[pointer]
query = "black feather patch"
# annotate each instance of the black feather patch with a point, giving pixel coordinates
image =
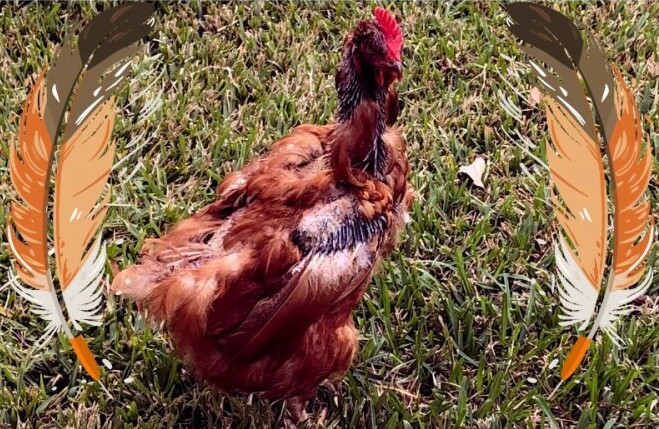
(353, 230)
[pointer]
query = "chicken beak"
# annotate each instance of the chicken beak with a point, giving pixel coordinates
(397, 70)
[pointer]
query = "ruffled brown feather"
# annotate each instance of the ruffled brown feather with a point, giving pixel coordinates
(244, 312)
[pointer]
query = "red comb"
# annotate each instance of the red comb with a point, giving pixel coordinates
(391, 31)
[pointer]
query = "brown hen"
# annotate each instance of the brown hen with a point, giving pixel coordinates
(257, 289)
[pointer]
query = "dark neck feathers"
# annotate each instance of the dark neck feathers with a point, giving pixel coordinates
(354, 89)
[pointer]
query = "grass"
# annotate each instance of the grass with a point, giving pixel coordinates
(460, 327)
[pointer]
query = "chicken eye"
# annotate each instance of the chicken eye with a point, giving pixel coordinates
(372, 49)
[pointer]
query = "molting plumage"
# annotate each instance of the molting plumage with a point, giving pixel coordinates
(257, 289)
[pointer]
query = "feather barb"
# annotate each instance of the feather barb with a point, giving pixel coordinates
(579, 201)
(631, 167)
(30, 160)
(83, 169)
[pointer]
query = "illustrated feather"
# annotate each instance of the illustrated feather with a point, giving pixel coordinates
(576, 161)
(84, 162)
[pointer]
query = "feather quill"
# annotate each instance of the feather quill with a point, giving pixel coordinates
(577, 169)
(84, 163)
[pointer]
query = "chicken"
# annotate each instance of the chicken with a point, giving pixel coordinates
(257, 289)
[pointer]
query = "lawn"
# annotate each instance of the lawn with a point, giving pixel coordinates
(460, 328)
